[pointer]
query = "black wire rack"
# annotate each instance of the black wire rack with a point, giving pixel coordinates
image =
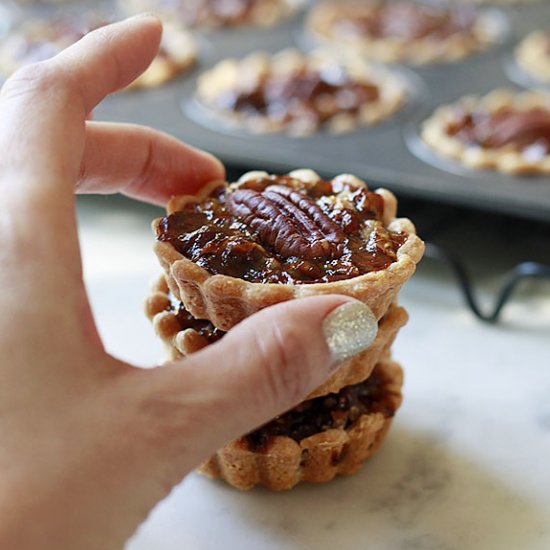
(525, 270)
(521, 272)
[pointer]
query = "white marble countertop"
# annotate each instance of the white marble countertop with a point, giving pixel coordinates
(466, 464)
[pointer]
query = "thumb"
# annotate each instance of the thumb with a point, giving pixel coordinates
(262, 367)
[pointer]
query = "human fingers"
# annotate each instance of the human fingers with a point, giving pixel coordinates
(43, 107)
(262, 367)
(42, 133)
(142, 163)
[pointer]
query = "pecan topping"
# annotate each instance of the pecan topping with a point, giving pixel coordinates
(506, 127)
(289, 222)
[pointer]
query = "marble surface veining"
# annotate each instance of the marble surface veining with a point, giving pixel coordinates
(465, 466)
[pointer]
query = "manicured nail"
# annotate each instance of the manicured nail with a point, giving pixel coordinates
(349, 329)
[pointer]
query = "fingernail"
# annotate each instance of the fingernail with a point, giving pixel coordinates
(349, 329)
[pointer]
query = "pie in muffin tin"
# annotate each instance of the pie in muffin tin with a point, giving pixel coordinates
(37, 38)
(503, 130)
(533, 56)
(211, 14)
(404, 31)
(299, 94)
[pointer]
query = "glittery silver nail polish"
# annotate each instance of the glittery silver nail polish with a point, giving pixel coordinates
(349, 329)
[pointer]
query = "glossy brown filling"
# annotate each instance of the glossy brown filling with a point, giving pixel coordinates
(407, 21)
(520, 129)
(280, 230)
(186, 321)
(309, 95)
(336, 410)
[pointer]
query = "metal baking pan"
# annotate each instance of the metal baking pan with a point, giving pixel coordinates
(389, 154)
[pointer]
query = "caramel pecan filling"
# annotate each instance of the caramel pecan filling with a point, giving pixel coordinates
(406, 21)
(279, 229)
(186, 321)
(316, 95)
(336, 410)
(506, 127)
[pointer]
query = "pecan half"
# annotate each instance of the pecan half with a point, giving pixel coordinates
(289, 222)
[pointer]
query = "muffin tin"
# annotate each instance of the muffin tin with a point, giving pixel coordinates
(390, 154)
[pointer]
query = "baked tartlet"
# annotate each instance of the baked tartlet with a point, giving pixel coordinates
(36, 40)
(232, 250)
(183, 335)
(504, 130)
(299, 93)
(533, 56)
(216, 13)
(317, 440)
(404, 31)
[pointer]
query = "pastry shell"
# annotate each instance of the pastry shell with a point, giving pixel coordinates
(533, 55)
(318, 458)
(482, 34)
(225, 300)
(177, 55)
(231, 75)
(507, 159)
(180, 343)
(264, 13)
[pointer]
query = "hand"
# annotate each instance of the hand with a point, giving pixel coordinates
(89, 444)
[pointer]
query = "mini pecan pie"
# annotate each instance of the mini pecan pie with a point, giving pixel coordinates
(533, 56)
(234, 249)
(182, 335)
(404, 30)
(299, 93)
(37, 40)
(317, 440)
(506, 131)
(216, 13)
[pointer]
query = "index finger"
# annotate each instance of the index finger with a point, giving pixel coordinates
(43, 107)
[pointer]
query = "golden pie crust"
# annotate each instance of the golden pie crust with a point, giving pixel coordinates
(177, 51)
(180, 343)
(533, 56)
(506, 159)
(322, 18)
(318, 458)
(263, 13)
(244, 75)
(225, 300)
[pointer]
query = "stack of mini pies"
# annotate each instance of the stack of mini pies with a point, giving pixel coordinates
(341, 423)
